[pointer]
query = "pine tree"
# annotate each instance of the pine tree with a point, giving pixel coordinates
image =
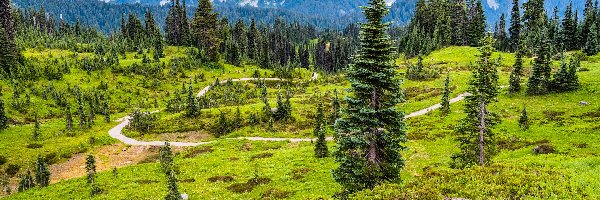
(561, 78)
(515, 26)
(90, 167)
(204, 30)
(8, 58)
(253, 38)
(589, 19)
(592, 45)
(91, 116)
(106, 111)
(446, 96)
(524, 120)
(321, 150)
(42, 174)
(502, 42)
(569, 29)
(166, 158)
(168, 167)
(26, 182)
(7, 22)
(3, 117)
(516, 74)
(476, 25)
(539, 80)
(192, 106)
(477, 141)
(69, 118)
(573, 79)
(371, 132)
(36, 128)
(534, 18)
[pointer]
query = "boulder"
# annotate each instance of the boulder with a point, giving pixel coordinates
(584, 103)
(184, 196)
(543, 149)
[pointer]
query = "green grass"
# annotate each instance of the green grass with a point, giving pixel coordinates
(558, 119)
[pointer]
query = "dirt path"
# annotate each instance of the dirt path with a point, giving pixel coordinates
(117, 131)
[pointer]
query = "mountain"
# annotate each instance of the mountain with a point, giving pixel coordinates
(106, 14)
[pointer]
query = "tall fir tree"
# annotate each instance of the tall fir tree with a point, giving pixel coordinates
(204, 30)
(534, 18)
(474, 132)
(8, 57)
(515, 25)
(253, 41)
(192, 106)
(502, 40)
(589, 13)
(167, 165)
(539, 80)
(569, 29)
(42, 173)
(68, 118)
(7, 22)
(321, 150)
(446, 96)
(592, 45)
(516, 73)
(3, 116)
(371, 133)
(476, 27)
(90, 168)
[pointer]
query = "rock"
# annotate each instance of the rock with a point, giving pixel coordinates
(584, 103)
(543, 149)
(184, 196)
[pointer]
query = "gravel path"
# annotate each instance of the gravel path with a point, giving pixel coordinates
(117, 131)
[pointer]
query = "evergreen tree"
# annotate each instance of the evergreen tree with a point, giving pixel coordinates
(8, 58)
(477, 141)
(321, 150)
(524, 120)
(534, 18)
(516, 73)
(69, 118)
(592, 45)
(573, 79)
(371, 132)
(90, 167)
(476, 26)
(589, 19)
(26, 182)
(168, 167)
(233, 54)
(539, 80)
(42, 174)
(106, 111)
(3, 117)
(204, 30)
(515, 26)
(91, 116)
(446, 96)
(192, 106)
(502, 42)
(569, 29)
(253, 40)
(36, 128)
(177, 27)
(7, 22)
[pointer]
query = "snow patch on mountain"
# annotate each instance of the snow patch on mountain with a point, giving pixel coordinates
(253, 3)
(163, 2)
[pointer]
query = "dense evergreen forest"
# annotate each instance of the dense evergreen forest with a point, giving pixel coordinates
(208, 100)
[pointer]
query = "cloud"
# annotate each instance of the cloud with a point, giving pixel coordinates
(493, 4)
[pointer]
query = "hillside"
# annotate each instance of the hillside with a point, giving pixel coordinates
(219, 169)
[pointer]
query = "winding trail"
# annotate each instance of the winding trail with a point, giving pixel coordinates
(117, 131)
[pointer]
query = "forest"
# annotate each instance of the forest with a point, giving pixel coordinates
(212, 101)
